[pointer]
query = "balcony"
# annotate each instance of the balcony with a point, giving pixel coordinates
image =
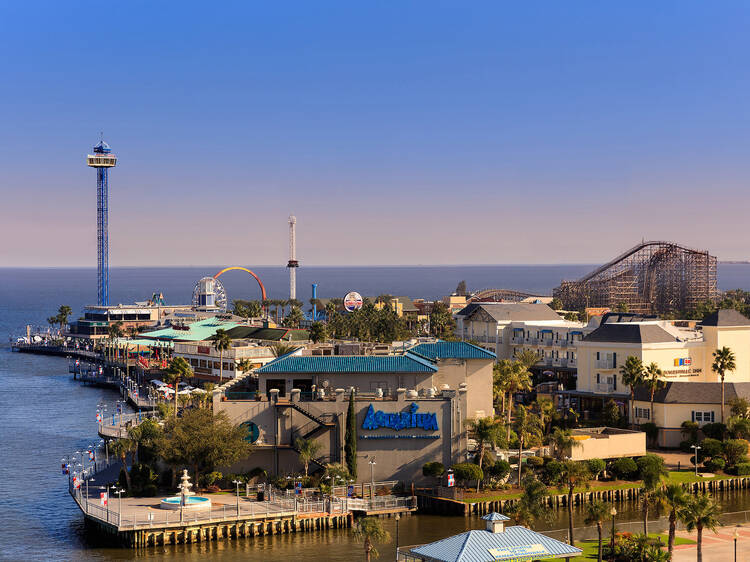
(566, 362)
(548, 342)
(605, 364)
(517, 341)
(563, 343)
(557, 362)
(532, 341)
(604, 388)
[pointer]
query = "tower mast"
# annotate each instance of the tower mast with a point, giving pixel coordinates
(293, 263)
(102, 160)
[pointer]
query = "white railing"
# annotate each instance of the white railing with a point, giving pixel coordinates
(605, 364)
(604, 387)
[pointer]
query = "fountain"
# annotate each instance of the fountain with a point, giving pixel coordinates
(186, 499)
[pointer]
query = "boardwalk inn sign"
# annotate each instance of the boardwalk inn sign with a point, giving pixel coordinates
(398, 421)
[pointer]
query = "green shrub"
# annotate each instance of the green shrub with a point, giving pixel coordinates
(552, 471)
(466, 471)
(714, 430)
(742, 469)
(652, 432)
(500, 469)
(513, 459)
(596, 467)
(710, 448)
(734, 451)
(625, 469)
(534, 462)
(433, 469)
(685, 446)
(714, 464)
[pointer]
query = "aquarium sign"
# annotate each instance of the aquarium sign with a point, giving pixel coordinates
(521, 552)
(400, 420)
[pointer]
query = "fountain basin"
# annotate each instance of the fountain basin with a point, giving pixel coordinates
(191, 503)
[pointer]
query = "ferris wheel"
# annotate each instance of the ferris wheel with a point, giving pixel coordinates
(209, 293)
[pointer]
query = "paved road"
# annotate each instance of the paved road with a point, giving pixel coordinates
(716, 547)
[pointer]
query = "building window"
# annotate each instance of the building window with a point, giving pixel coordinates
(703, 417)
(643, 413)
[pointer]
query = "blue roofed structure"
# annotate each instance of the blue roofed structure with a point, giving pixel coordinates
(295, 364)
(493, 543)
(451, 350)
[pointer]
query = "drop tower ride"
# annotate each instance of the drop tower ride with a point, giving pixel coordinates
(102, 160)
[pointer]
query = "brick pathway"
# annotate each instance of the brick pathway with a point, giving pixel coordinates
(717, 547)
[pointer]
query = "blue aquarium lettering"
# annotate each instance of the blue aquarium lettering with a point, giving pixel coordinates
(400, 420)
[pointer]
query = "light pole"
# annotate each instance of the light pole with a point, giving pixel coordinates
(398, 517)
(695, 457)
(736, 536)
(613, 512)
(372, 477)
(237, 483)
(119, 492)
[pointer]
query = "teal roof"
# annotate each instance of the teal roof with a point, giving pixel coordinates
(197, 331)
(514, 543)
(452, 350)
(406, 363)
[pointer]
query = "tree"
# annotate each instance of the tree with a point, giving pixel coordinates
(203, 441)
(621, 307)
(689, 430)
(467, 471)
(369, 530)
(545, 409)
(700, 512)
(248, 309)
(531, 506)
(63, 313)
(442, 324)
(572, 474)
(563, 443)
(294, 317)
(650, 470)
(318, 332)
(632, 375)
(487, 432)
(611, 414)
(596, 513)
(177, 370)
(556, 304)
(528, 358)
(652, 376)
(120, 450)
(433, 469)
(671, 498)
(740, 407)
(527, 426)
(244, 365)
(331, 309)
(307, 449)
(350, 438)
(512, 377)
(724, 361)
(222, 343)
(280, 349)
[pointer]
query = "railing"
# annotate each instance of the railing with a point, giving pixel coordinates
(605, 364)
(606, 388)
(241, 395)
(517, 341)
(548, 342)
(379, 503)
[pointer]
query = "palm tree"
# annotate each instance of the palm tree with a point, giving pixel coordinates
(596, 513)
(222, 343)
(632, 375)
(178, 369)
(280, 348)
(573, 474)
(527, 426)
(62, 315)
(501, 374)
(120, 450)
(527, 358)
(531, 505)
(546, 411)
(369, 530)
(723, 362)
(307, 449)
(563, 441)
(516, 378)
(487, 432)
(700, 512)
(652, 376)
(672, 497)
(244, 365)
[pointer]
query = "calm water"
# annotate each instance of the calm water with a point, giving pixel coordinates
(44, 415)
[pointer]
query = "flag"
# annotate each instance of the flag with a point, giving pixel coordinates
(92, 456)
(103, 498)
(98, 417)
(76, 482)
(65, 469)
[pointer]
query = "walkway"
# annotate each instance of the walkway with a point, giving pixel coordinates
(716, 547)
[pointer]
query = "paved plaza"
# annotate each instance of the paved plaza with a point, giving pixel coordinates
(717, 547)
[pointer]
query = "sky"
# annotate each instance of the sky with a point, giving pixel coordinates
(397, 132)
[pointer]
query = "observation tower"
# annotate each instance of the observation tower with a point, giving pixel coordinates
(102, 160)
(293, 263)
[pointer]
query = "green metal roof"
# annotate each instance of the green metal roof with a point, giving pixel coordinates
(452, 350)
(197, 331)
(406, 363)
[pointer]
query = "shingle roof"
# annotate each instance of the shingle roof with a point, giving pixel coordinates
(726, 317)
(407, 363)
(630, 333)
(475, 546)
(694, 392)
(509, 311)
(452, 350)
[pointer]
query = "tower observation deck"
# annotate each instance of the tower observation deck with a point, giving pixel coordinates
(102, 160)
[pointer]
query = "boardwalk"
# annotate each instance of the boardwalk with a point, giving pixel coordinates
(717, 547)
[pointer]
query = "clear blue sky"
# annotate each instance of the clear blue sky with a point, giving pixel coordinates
(397, 132)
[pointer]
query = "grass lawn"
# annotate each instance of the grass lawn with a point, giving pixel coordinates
(591, 547)
(674, 477)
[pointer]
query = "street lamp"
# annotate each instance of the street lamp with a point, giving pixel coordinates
(119, 492)
(237, 482)
(372, 464)
(695, 457)
(613, 512)
(736, 536)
